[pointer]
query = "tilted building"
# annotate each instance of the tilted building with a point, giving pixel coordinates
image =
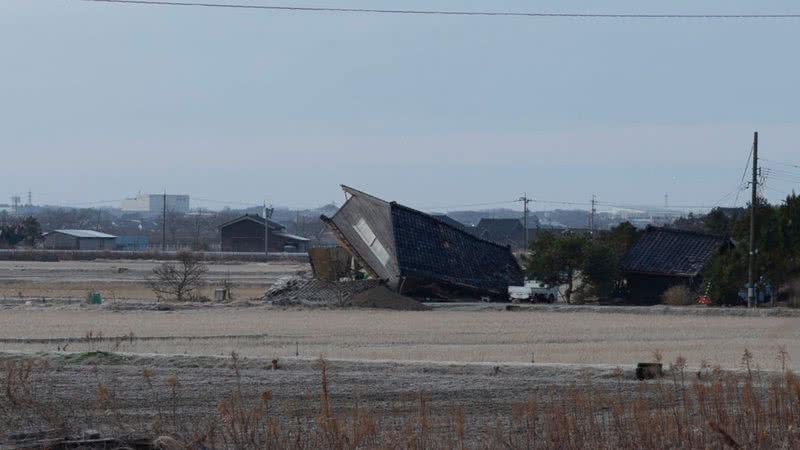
(418, 254)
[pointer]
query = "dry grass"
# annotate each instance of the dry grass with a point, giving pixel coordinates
(712, 409)
(124, 279)
(492, 336)
(678, 296)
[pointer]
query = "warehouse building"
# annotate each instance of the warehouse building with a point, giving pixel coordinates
(78, 240)
(246, 234)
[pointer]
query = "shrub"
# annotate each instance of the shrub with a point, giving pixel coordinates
(677, 296)
(179, 282)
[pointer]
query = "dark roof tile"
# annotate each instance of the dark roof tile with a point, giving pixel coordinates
(434, 249)
(671, 252)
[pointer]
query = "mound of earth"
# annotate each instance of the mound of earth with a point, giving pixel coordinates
(382, 297)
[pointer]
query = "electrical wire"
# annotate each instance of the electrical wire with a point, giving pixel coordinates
(744, 174)
(454, 12)
(470, 205)
(796, 166)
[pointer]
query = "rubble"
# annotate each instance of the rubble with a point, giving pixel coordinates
(301, 291)
(312, 292)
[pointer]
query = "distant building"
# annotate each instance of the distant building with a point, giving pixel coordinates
(175, 203)
(78, 240)
(140, 203)
(154, 203)
(132, 243)
(508, 232)
(246, 234)
(450, 221)
(666, 257)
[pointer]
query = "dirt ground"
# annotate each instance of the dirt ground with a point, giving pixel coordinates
(481, 357)
(439, 335)
(123, 280)
(484, 391)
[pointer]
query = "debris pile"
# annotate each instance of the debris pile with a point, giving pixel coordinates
(381, 297)
(297, 291)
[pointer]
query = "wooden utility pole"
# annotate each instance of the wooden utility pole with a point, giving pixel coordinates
(752, 300)
(525, 200)
(266, 232)
(164, 222)
(591, 216)
(267, 215)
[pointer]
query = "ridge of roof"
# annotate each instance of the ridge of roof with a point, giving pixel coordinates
(354, 192)
(83, 233)
(470, 235)
(253, 217)
(682, 231)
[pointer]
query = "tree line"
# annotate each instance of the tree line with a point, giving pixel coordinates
(589, 266)
(26, 232)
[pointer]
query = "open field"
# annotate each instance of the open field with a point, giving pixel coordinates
(461, 336)
(125, 279)
(124, 367)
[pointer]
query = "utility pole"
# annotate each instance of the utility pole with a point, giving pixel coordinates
(30, 197)
(666, 200)
(267, 215)
(525, 200)
(164, 222)
(591, 216)
(752, 301)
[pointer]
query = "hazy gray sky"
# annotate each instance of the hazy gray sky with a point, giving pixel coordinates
(99, 101)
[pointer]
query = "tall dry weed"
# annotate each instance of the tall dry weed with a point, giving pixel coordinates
(689, 410)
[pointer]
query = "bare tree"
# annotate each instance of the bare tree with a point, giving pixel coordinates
(179, 281)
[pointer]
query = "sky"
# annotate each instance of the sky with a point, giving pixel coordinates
(100, 101)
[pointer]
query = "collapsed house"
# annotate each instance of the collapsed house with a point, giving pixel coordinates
(417, 254)
(666, 257)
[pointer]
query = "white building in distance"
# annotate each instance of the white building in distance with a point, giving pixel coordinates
(154, 203)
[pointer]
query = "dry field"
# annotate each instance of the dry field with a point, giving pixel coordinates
(124, 367)
(459, 336)
(124, 280)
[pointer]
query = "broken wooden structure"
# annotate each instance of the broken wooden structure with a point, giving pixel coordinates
(419, 255)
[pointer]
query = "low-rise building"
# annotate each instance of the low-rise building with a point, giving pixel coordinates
(667, 257)
(246, 234)
(78, 240)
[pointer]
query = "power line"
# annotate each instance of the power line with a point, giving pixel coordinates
(744, 174)
(470, 205)
(455, 12)
(226, 202)
(796, 166)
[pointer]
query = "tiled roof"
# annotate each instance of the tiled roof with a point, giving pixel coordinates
(450, 221)
(502, 231)
(671, 252)
(500, 227)
(430, 248)
(416, 252)
(255, 218)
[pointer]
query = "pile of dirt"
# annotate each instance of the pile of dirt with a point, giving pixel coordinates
(381, 297)
(298, 291)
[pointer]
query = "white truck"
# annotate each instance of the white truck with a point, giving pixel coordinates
(533, 292)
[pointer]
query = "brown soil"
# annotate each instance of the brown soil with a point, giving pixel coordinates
(382, 297)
